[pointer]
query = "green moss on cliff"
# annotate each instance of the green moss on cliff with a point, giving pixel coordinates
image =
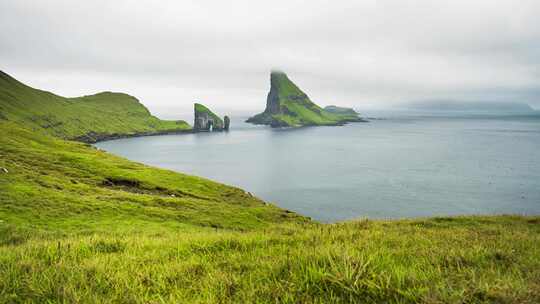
(288, 106)
(203, 110)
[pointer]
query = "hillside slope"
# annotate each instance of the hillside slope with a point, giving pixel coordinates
(89, 118)
(288, 106)
(51, 182)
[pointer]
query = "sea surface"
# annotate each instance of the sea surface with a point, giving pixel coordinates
(401, 165)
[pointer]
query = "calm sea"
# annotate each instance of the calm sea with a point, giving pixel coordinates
(399, 166)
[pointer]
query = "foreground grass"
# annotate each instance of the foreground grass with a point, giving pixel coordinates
(440, 260)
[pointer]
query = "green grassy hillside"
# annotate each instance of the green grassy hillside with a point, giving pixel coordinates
(88, 118)
(288, 106)
(53, 183)
(79, 225)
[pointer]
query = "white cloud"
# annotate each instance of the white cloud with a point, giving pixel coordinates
(171, 53)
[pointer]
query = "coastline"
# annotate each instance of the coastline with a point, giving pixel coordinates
(92, 138)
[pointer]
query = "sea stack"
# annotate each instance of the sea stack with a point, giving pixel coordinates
(227, 122)
(206, 120)
(288, 106)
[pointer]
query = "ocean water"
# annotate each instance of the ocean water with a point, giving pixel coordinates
(401, 166)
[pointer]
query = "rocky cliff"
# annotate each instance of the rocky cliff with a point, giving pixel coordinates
(288, 106)
(207, 121)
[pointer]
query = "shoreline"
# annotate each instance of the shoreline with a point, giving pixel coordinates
(93, 138)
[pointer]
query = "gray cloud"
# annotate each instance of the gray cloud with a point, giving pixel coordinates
(358, 53)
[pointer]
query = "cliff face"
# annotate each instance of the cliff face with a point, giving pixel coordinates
(227, 122)
(288, 106)
(206, 120)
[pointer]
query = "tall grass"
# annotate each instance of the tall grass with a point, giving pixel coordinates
(458, 260)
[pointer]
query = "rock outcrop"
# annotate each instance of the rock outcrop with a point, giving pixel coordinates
(340, 110)
(227, 122)
(207, 121)
(348, 114)
(288, 106)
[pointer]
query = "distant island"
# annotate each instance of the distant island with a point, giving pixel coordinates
(207, 121)
(497, 107)
(288, 106)
(341, 110)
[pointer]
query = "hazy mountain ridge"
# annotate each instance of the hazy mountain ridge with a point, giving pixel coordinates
(470, 106)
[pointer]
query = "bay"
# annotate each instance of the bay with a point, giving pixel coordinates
(403, 165)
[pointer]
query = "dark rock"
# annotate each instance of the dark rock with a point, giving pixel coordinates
(227, 122)
(206, 120)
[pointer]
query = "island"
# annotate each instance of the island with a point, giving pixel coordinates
(207, 121)
(346, 112)
(288, 106)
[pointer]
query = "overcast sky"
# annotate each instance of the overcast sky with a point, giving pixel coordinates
(366, 54)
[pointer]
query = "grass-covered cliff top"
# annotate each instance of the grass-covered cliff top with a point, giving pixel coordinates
(87, 118)
(200, 108)
(288, 106)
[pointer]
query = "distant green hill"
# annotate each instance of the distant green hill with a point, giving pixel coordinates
(350, 112)
(89, 118)
(288, 106)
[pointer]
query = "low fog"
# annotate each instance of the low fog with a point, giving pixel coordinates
(364, 54)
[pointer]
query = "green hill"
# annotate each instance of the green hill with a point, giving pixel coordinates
(79, 225)
(288, 106)
(50, 180)
(89, 118)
